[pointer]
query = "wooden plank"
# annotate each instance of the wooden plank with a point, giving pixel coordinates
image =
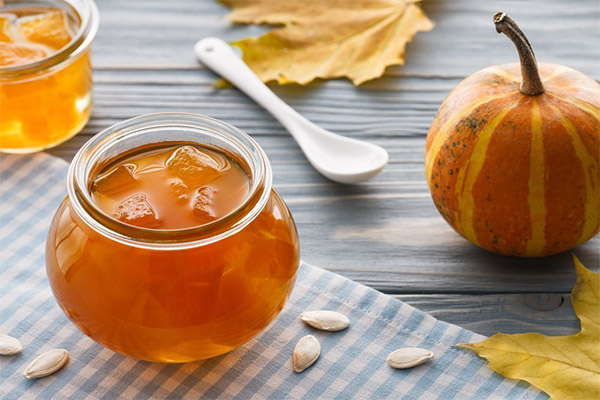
(507, 313)
(157, 32)
(406, 109)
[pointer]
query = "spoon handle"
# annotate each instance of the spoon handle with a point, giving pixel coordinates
(218, 56)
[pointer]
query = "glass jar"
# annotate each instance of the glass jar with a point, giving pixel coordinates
(172, 295)
(46, 102)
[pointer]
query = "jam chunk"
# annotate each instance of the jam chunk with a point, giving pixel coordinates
(28, 38)
(202, 204)
(13, 54)
(7, 27)
(118, 179)
(180, 190)
(49, 28)
(195, 167)
(137, 211)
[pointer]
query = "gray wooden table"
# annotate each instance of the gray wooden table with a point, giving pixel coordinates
(385, 233)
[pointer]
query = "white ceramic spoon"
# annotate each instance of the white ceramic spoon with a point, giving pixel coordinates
(339, 158)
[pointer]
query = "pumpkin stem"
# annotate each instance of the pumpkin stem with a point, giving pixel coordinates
(531, 84)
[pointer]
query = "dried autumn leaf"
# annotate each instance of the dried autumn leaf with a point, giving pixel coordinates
(565, 367)
(357, 39)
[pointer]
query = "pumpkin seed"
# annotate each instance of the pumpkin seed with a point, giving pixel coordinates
(9, 345)
(46, 364)
(306, 353)
(408, 357)
(325, 320)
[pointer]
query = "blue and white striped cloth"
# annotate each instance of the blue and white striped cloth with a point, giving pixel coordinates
(352, 363)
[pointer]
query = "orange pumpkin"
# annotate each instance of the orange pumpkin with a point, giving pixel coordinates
(514, 167)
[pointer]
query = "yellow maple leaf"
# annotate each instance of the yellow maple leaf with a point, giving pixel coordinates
(565, 367)
(326, 39)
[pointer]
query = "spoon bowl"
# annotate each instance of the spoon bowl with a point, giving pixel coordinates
(339, 158)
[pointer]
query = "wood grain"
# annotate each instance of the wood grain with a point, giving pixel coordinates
(385, 233)
(162, 33)
(488, 314)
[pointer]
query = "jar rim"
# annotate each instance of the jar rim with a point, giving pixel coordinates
(90, 20)
(86, 161)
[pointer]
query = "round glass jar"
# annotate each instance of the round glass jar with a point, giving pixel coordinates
(48, 101)
(172, 295)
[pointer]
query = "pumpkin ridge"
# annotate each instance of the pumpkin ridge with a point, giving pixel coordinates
(442, 134)
(585, 123)
(499, 78)
(588, 165)
(501, 214)
(502, 73)
(581, 104)
(536, 197)
(468, 176)
(558, 71)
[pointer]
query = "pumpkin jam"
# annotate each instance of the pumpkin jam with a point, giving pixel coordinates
(180, 304)
(40, 109)
(171, 188)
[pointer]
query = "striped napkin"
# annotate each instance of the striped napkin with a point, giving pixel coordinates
(352, 363)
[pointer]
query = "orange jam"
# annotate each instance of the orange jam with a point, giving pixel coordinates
(172, 187)
(172, 251)
(45, 75)
(30, 34)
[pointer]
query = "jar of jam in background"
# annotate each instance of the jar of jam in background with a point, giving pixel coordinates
(172, 295)
(45, 71)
